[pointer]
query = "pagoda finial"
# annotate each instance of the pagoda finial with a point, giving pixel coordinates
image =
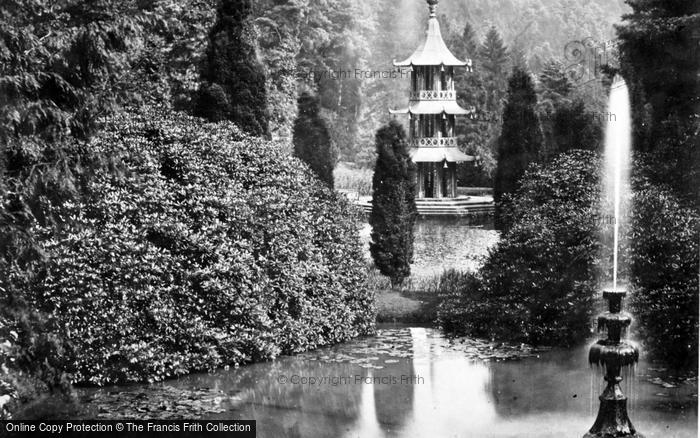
(432, 5)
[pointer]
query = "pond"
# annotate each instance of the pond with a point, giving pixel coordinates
(412, 382)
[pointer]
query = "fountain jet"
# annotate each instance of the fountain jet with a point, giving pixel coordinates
(612, 353)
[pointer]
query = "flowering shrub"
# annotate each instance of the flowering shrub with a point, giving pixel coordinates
(208, 248)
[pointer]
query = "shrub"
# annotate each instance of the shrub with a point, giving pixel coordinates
(664, 264)
(211, 248)
(458, 302)
(537, 284)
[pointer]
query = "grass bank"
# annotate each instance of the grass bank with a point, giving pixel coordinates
(415, 301)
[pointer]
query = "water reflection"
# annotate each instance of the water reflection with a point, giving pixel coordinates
(437, 391)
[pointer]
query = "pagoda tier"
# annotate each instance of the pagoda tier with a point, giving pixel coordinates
(432, 109)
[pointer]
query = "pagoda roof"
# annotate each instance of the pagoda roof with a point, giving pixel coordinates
(435, 155)
(433, 50)
(433, 107)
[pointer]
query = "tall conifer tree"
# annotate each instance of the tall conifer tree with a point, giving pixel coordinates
(520, 139)
(472, 135)
(233, 85)
(312, 143)
(493, 53)
(393, 204)
(493, 65)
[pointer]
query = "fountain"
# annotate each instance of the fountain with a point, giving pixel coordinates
(614, 354)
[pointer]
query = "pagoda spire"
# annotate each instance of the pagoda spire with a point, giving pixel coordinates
(433, 51)
(432, 6)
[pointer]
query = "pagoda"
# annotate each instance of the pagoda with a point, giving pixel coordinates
(432, 109)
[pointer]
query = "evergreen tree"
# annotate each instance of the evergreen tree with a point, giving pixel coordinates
(493, 61)
(233, 85)
(472, 135)
(554, 88)
(278, 23)
(493, 53)
(553, 80)
(464, 46)
(393, 204)
(312, 143)
(520, 139)
(574, 127)
(658, 52)
(467, 83)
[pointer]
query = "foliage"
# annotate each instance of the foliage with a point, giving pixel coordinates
(537, 284)
(493, 65)
(334, 35)
(659, 51)
(459, 295)
(575, 127)
(300, 42)
(172, 50)
(278, 24)
(554, 81)
(234, 85)
(553, 89)
(214, 249)
(664, 267)
(520, 139)
(473, 135)
(393, 205)
(333, 39)
(61, 68)
(493, 54)
(312, 143)
(352, 178)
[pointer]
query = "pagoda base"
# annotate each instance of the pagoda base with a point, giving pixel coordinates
(455, 207)
(458, 206)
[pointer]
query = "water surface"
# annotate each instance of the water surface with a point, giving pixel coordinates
(412, 382)
(442, 243)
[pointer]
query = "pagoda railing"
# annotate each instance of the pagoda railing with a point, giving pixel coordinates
(434, 142)
(433, 95)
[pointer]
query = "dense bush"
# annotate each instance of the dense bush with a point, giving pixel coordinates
(664, 266)
(537, 284)
(213, 248)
